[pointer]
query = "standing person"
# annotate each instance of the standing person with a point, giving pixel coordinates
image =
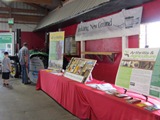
(23, 59)
(6, 68)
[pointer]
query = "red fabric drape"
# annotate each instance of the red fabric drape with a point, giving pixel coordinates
(86, 102)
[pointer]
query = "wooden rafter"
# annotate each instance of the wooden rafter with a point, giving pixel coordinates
(20, 18)
(21, 15)
(39, 8)
(47, 2)
(20, 22)
(4, 3)
(19, 10)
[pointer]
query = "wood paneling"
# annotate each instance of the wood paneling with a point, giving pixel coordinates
(33, 1)
(19, 10)
(22, 18)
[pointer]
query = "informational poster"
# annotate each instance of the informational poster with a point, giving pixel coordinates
(35, 65)
(124, 23)
(6, 43)
(79, 69)
(56, 50)
(139, 71)
(70, 46)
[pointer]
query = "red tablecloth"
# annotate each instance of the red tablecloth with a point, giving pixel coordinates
(86, 102)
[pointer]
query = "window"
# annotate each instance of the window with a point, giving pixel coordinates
(150, 35)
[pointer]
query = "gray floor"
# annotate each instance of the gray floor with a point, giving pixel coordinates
(23, 102)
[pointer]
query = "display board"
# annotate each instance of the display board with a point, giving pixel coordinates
(139, 71)
(79, 69)
(56, 50)
(6, 43)
(70, 46)
(35, 66)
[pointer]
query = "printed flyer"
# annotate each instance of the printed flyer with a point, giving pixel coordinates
(139, 71)
(56, 49)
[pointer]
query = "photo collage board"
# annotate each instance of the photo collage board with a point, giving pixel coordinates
(79, 69)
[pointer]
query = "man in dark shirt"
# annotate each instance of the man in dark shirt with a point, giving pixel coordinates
(23, 59)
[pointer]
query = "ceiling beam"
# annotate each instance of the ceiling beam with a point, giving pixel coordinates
(19, 10)
(46, 2)
(39, 8)
(4, 3)
(30, 18)
(20, 22)
(22, 18)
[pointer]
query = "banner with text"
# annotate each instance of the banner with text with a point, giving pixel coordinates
(124, 23)
(56, 49)
(6, 44)
(139, 71)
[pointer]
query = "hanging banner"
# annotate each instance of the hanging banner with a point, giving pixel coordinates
(139, 71)
(56, 49)
(6, 44)
(124, 23)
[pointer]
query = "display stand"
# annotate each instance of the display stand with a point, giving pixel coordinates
(139, 66)
(125, 90)
(146, 97)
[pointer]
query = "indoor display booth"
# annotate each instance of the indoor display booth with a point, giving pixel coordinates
(135, 94)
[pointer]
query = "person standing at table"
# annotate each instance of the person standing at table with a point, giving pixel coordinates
(6, 68)
(23, 60)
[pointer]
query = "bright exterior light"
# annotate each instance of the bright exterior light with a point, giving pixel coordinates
(150, 35)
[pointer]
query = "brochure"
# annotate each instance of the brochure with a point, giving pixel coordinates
(128, 98)
(152, 108)
(141, 104)
(133, 101)
(121, 95)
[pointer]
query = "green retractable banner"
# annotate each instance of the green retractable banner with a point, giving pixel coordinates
(6, 43)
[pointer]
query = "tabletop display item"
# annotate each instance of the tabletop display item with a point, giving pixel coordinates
(79, 69)
(139, 71)
(152, 108)
(133, 101)
(121, 95)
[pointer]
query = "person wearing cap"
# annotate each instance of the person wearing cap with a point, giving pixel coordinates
(6, 68)
(23, 60)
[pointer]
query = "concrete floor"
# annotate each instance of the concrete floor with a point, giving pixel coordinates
(23, 102)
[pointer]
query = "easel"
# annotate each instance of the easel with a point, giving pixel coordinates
(146, 97)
